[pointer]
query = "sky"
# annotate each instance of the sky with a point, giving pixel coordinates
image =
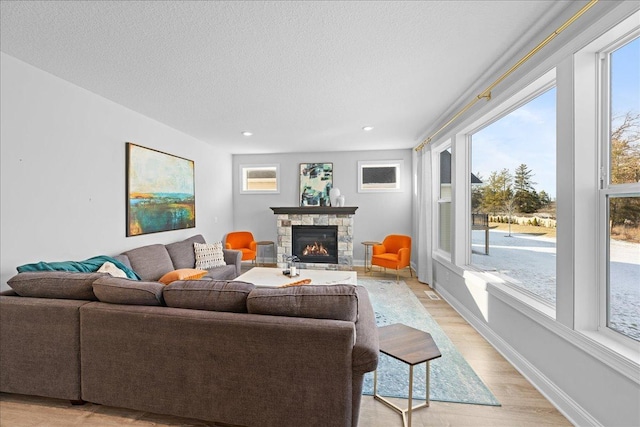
(528, 134)
(625, 79)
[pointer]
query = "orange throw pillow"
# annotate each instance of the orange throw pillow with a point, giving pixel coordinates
(182, 274)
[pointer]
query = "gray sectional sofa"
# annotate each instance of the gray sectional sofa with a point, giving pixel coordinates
(216, 350)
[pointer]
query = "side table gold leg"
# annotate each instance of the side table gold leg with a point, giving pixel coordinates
(428, 382)
(375, 382)
(410, 409)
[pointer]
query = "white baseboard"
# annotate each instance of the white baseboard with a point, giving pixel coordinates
(575, 413)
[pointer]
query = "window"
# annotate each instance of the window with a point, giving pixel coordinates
(444, 202)
(379, 176)
(513, 185)
(258, 179)
(620, 188)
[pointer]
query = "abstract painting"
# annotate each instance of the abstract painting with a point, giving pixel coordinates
(316, 180)
(160, 191)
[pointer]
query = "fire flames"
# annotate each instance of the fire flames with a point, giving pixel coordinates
(315, 250)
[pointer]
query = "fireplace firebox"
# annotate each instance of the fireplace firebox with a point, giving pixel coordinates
(315, 243)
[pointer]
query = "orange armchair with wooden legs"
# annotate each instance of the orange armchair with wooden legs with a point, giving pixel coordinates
(394, 252)
(242, 241)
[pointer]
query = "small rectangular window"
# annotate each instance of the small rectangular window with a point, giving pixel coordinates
(379, 176)
(258, 179)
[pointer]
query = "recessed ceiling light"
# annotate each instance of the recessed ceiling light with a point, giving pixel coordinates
(367, 128)
(247, 133)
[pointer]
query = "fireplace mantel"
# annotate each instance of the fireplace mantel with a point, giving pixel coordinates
(315, 210)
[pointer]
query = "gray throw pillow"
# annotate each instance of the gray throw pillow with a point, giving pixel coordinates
(55, 284)
(211, 295)
(115, 290)
(338, 302)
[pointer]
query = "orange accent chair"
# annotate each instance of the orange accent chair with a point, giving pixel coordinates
(394, 252)
(242, 241)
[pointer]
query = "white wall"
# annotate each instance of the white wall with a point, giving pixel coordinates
(378, 214)
(63, 172)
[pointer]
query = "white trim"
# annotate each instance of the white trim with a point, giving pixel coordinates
(575, 413)
(608, 351)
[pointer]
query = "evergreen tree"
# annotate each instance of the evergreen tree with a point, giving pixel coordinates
(476, 195)
(526, 198)
(498, 192)
(544, 199)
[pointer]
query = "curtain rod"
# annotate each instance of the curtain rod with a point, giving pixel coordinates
(487, 92)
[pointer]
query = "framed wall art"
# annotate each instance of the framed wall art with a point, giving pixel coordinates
(160, 191)
(316, 180)
(379, 176)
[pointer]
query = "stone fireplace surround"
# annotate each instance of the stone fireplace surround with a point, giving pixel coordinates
(342, 217)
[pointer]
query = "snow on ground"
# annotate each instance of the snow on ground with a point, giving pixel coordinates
(530, 262)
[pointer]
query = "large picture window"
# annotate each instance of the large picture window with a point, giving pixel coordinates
(620, 193)
(513, 162)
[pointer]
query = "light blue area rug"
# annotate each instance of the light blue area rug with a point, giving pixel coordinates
(452, 379)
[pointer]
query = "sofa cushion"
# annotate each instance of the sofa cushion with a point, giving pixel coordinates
(182, 274)
(115, 290)
(150, 262)
(208, 255)
(211, 295)
(124, 260)
(182, 253)
(338, 302)
(55, 284)
(226, 272)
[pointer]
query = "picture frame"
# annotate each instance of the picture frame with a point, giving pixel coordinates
(316, 181)
(160, 191)
(379, 176)
(260, 179)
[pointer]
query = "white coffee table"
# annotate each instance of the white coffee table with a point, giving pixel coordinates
(273, 277)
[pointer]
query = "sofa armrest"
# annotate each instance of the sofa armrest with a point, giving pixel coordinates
(233, 257)
(367, 346)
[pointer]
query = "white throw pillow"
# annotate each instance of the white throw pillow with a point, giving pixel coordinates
(109, 267)
(208, 255)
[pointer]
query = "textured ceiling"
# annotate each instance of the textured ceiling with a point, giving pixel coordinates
(302, 76)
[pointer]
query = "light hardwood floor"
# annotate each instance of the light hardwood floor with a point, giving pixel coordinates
(522, 404)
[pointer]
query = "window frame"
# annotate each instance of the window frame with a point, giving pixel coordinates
(397, 164)
(440, 200)
(243, 177)
(608, 43)
(537, 87)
